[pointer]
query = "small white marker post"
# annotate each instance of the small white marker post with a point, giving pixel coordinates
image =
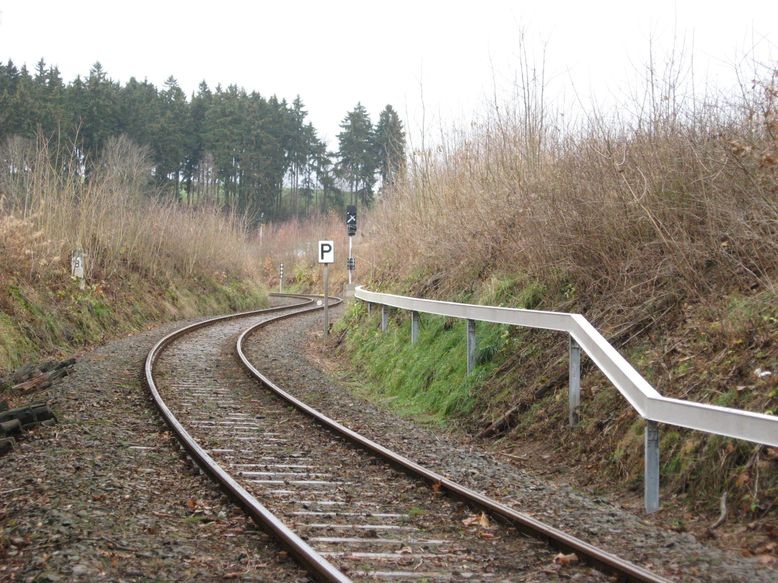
(326, 256)
(281, 279)
(77, 267)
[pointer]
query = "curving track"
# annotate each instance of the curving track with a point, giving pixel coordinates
(346, 507)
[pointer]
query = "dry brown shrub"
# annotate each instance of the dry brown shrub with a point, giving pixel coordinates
(113, 216)
(295, 243)
(680, 202)
(25, 252)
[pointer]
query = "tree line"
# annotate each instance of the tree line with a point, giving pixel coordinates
(247, 152)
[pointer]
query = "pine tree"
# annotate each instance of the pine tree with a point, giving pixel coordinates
(94, 104)
(197, 169)
(138, 111)
(169, 144)
(357, 160)
(21, 105)
(390, 146)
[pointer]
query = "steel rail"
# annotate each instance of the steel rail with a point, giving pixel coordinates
(317, 565)
(563, 541)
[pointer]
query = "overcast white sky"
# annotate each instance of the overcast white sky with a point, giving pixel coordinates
(448, 56)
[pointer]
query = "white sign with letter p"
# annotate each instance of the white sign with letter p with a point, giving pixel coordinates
(326, 252)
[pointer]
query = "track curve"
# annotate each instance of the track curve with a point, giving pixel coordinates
(450, 562)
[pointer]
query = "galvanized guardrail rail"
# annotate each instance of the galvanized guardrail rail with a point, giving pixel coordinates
(647, 401)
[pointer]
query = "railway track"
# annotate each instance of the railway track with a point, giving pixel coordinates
(345, 507)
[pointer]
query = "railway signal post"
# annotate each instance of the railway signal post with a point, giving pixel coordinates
(351, 230)
(326, 256)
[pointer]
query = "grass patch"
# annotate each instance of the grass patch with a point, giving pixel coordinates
(427, 380)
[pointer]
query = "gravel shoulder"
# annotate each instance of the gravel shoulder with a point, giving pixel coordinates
(107, 495)
(294, 356)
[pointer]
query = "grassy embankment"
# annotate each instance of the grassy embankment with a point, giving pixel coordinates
(660, 227)
(148, 260)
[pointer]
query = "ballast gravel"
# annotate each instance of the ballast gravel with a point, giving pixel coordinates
(293, 466)
(290, 354)
(106, 495)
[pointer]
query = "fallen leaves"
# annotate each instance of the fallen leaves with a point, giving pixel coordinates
(566, 560)
(483, 525)
(765, 553)
(477, 519)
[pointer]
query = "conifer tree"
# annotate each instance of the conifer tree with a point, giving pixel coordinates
(243, 151)
(357, 160)
(390, 146)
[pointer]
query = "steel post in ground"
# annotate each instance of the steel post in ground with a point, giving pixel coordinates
(651, 476)
(326, 299)
(471, 346)
(349, 260)
(574, 382)
(384, 319)
(414, 327)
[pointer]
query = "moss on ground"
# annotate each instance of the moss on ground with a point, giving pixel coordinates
(53, 317)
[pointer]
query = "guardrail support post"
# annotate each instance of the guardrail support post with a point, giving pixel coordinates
(651, 477)
(369, 309)
(384, 319)
(414, 327)
(471, 346)
(574, 383)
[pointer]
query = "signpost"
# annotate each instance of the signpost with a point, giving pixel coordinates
(326, 256)
(351, 229)
(77, 267)
(281, 279)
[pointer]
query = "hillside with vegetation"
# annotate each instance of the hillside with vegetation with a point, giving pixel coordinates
(658, 222)
(146, 259)
(173, 201)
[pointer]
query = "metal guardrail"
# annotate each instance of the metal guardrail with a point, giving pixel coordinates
(646, 400)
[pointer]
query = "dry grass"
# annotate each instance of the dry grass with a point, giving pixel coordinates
(660, 226)
(681, 199)
(295, 242)
(48, 209)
